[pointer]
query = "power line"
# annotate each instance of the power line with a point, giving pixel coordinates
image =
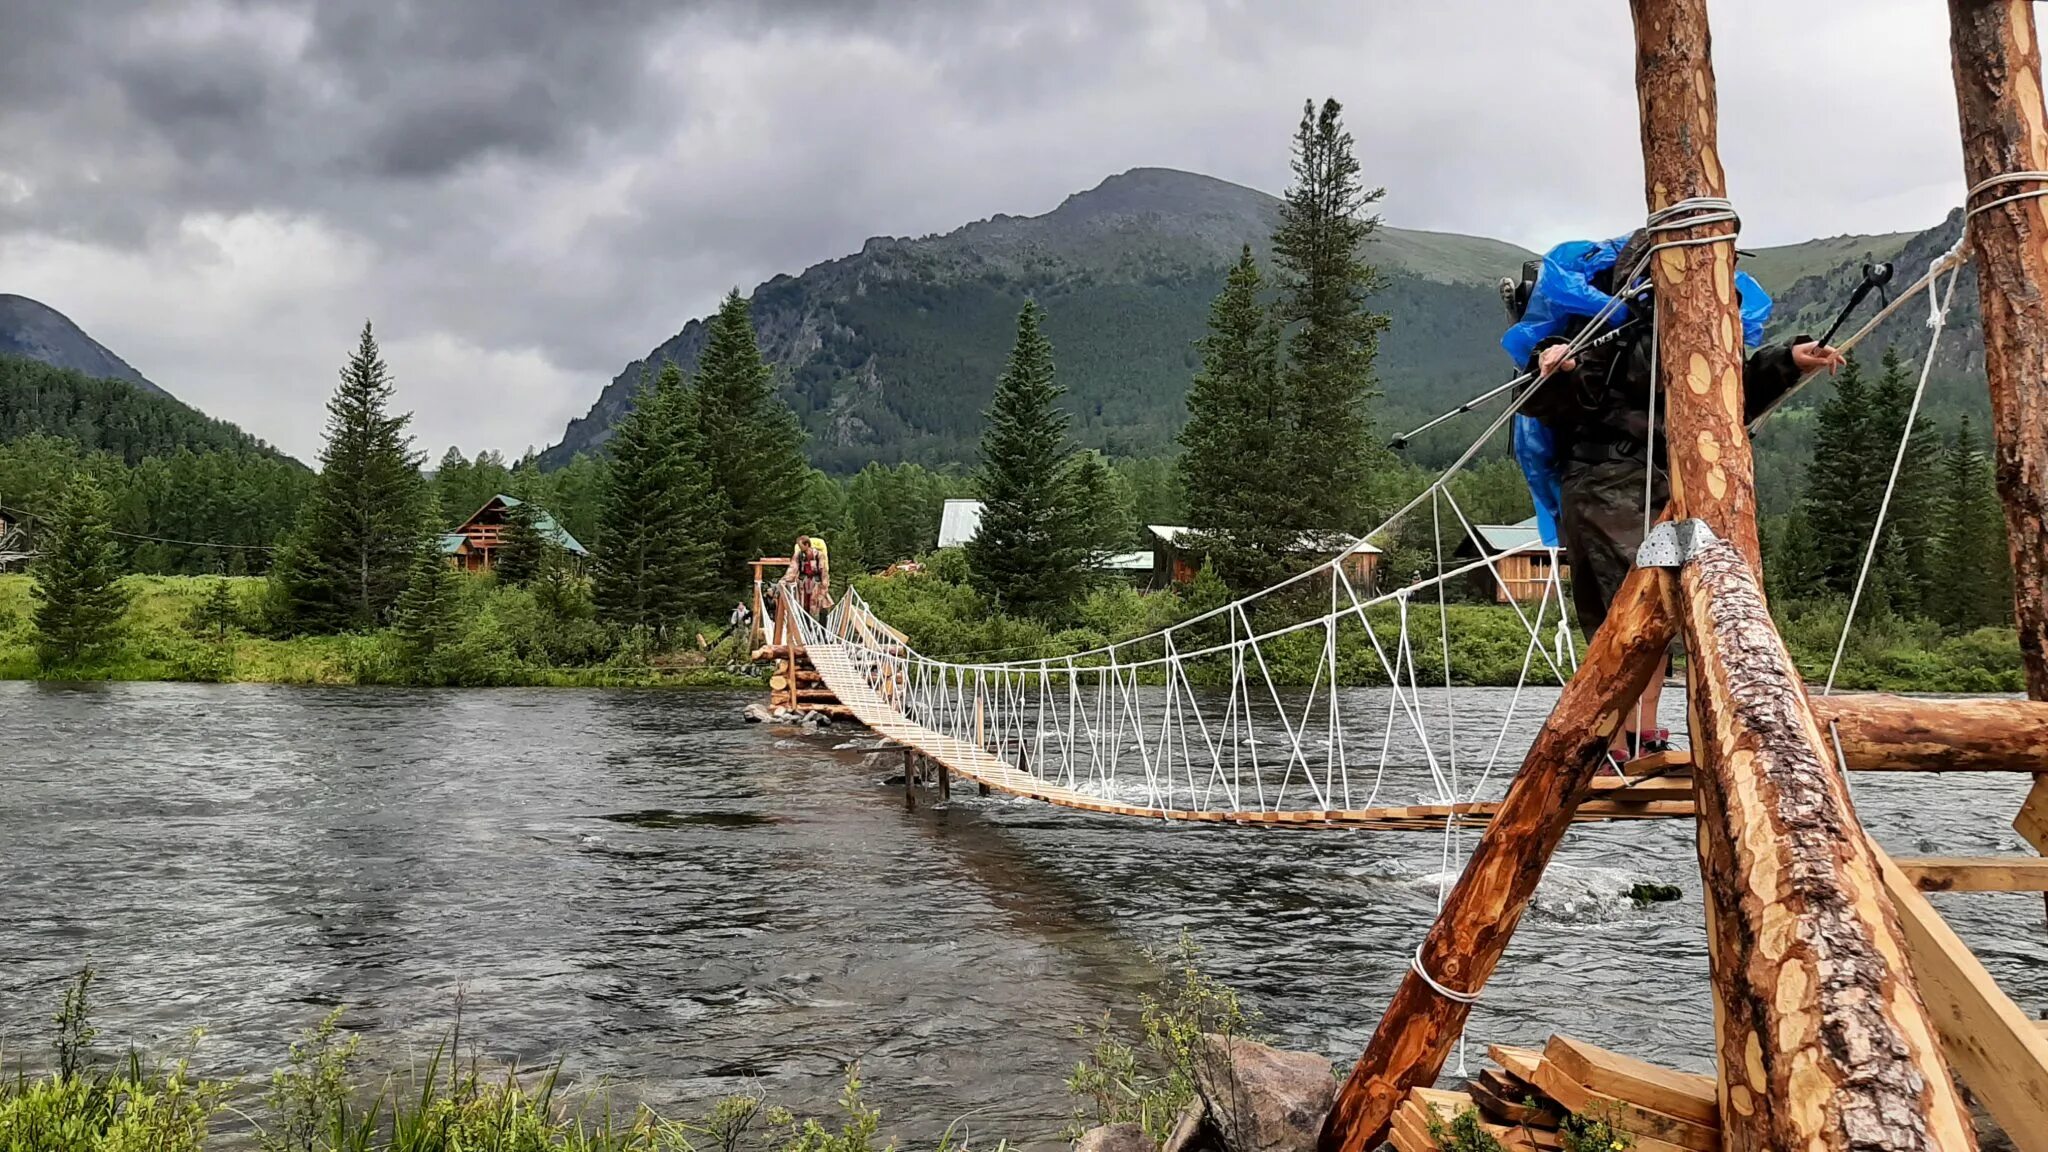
(26, 514)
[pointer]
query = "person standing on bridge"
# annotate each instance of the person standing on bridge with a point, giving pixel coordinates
(813, 578)
(1594, 410)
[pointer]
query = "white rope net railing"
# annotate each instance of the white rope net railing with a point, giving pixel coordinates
(1216, 718)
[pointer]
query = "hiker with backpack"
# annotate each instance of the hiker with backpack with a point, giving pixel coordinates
(1584, 435)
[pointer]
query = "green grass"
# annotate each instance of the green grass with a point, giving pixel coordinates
(160, 642)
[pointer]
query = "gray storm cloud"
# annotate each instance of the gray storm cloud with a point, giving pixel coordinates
(525, 195)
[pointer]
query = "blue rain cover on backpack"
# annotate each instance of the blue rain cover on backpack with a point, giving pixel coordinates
(1564, 292)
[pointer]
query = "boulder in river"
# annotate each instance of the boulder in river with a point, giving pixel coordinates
(1262, 1099)
(1116, 1138)
(757, 714)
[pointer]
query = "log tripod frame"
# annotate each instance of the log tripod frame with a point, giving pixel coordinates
(1824, 1036)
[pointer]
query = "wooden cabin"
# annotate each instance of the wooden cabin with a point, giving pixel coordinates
(470, 547)
(1177, 555)
(1519, 555)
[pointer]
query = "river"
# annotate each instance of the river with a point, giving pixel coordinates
(640, 885)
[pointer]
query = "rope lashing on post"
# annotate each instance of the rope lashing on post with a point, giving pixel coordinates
(1450, 994)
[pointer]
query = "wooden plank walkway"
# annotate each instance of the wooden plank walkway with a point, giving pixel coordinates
(1662, 799)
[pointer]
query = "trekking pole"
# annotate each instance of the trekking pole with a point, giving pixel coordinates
(1401, 441)
(1875, 276)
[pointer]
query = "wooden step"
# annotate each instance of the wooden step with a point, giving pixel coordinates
(1976, 873)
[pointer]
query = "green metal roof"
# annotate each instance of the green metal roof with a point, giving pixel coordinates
(545, 521)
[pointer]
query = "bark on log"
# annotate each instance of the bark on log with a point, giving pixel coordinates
(1481, 911)
(1997, 64)
(1898, 734)
(1824, 1041)
(1700, 328)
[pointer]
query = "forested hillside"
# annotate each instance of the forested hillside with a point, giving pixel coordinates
(188, 493)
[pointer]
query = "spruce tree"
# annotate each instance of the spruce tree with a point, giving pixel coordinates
(1239, 496)
(1027, 556)
(1842, 485)
(1915, 515)
(751, 444)
(1332, 336)
(452, 487)
(217, 613)
(659, 529)
(521, 547)
(357, 533)
(1793, 570)
(428, 615)
(1975, 561)
(1101, 509)
(79, 602)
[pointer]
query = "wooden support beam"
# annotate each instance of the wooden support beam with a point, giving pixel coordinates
(1480, 913)
(1997, 65)
(1976, 873)
(1823, 1040)
(1699, 327)
(1898, 734)
(2001, 1055)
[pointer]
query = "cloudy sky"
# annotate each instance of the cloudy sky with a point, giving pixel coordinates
(526, 194)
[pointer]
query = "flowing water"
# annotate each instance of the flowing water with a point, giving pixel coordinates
(636, 883)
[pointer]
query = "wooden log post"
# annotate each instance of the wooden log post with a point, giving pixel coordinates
(1997, 64)
(1823, 1039)
(1481, 911)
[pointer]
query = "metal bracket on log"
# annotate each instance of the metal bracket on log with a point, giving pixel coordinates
(1674, 542)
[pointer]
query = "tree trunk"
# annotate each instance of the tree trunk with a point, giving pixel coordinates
(1824, 1042)
(1481, 911)
(1700, 327)
(1998, 96)
(1897, 734)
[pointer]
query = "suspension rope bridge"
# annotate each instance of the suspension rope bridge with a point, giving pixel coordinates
(1192, 723)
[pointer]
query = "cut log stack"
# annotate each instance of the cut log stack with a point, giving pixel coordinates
(1524, 1099)
(796, 684)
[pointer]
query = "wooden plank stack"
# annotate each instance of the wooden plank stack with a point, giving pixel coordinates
(1523, 1100)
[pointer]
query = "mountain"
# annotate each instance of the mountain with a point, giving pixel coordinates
(891, 353)
(36, 331)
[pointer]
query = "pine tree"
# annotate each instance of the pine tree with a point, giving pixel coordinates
(1842, 485)
(517, 559)
(1332, 336)
(218, 613)
(1234, 438)
(428, 615)
(1975, 561)
(357, 534)
(1027, 556)
(751, 443)
(79, 602)
(659, 529)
